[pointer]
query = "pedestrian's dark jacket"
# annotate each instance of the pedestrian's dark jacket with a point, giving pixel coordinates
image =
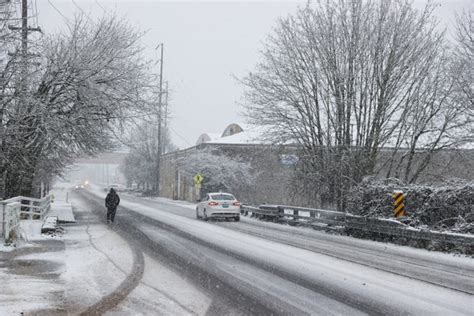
(112, 199)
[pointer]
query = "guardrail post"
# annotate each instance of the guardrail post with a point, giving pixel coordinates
(7, 225)
(42, 209)
(45, 205)
(31, 209)
(281, 212)
(3, 220)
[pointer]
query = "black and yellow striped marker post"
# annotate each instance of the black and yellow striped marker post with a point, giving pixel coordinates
(398, 204)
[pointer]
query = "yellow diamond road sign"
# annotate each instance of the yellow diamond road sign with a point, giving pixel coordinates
(198, 178)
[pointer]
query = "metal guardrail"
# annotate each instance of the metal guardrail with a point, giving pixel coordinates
(295, 213)
(21, 207)
(350, 223)
(394, 228)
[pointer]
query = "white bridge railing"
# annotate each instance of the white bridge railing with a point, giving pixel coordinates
(21, 207)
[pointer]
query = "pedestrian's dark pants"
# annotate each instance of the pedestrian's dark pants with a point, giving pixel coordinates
(111, 214)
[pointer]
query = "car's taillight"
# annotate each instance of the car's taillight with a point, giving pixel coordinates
(236, 203)
(212, 203)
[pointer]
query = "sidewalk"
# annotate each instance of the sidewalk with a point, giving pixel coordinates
(62, 274)
(91, 265)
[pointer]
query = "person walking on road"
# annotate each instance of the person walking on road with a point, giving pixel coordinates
(111, 202)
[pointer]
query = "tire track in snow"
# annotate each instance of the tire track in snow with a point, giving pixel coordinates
(225, 296)
(420, 269)
(337, 252)
(132, 280)
(365, 306)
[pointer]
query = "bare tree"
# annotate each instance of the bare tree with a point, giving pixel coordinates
(7, 71)
(463, 68)
(93, 78)
(344, 79)
(140, 165)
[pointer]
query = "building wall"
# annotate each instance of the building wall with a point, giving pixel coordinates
(273, 183)
(173, 182)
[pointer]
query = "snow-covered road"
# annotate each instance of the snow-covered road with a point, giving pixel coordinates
(256, 267)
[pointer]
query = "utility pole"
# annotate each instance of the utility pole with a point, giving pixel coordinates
(25, 30)
(22, 86)
(160, 104)
(24, 51)
(166, 119)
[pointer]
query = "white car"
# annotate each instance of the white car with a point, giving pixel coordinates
(218, 205)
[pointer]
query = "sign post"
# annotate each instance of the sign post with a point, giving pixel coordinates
(198, 178)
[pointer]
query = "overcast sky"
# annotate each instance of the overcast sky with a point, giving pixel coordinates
(206, 44)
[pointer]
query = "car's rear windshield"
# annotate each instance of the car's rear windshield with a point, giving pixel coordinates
(222, 197)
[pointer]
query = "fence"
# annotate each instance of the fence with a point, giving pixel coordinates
(333, 220)
(21, 207)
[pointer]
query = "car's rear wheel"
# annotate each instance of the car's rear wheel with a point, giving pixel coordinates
(237, 218)
(197, 214)
(205, 216)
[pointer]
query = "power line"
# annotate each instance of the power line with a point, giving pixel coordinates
(181, 137)
(57, 10)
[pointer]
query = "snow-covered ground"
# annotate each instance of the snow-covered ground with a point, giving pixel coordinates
(346, 277)
(63, 273)
(69, 273)
(452, 259)
(6, 248)
(108, 261)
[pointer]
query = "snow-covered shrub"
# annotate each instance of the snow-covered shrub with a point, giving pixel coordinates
(220, 171)
(435, 207)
